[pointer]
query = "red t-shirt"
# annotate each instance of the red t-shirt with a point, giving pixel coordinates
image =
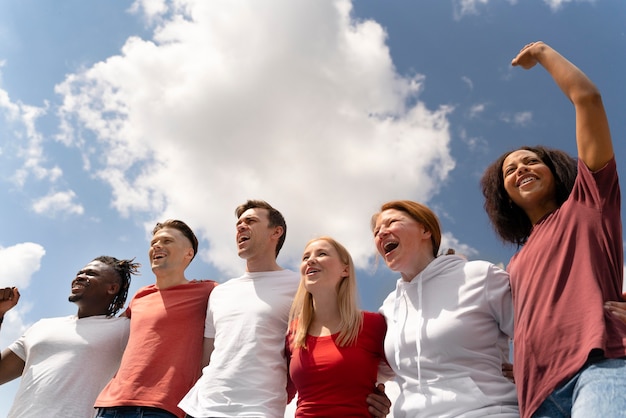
(335, 381)
(163, 357)
(560, 279)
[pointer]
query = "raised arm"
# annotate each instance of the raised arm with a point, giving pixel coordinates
(593, 137)
(9, 296)
(11, 366)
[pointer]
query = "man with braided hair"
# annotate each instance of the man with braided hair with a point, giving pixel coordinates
(65, 362)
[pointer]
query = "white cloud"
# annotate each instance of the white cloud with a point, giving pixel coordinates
(449, 241)
(463, 8)
(519, 118)
(556, 5)
(18, 263)
(473, 142)
(58, 202)
(468, 81)
(26, 142)
(476, 110)
(302, 108)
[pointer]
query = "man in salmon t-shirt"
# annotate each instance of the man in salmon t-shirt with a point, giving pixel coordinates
(163, 358)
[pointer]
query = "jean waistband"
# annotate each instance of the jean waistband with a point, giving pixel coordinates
(132, 409)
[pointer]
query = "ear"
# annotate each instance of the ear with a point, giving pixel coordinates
(426, 234)
(345, 272)
(278, 232)
(113, 288)
(189, 254)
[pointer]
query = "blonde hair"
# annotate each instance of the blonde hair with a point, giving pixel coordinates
(302, 311)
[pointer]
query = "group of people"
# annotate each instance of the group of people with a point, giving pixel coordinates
(250, 344)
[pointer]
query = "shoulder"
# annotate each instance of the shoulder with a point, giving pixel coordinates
(145, 290)
(204, 284)
(374, 320)
(483, 268)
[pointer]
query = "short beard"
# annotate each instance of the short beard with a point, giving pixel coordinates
(74, 298)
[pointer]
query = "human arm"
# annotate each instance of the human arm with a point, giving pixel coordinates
(379, 404)
(593, 137)
(507, 371)
(9, 296)
(11, 366)
(291, 386)
(207, 349)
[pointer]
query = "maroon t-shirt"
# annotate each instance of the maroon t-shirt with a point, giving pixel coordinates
(560, 279)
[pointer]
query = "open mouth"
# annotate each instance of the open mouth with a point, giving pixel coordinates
(79, 285)
(390, 246)
(526, 180)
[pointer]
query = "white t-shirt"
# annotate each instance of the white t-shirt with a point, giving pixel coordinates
(67, 363)
(247, 374)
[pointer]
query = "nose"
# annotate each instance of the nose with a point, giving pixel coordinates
(81, 277)
(522, 168)
(241, 227)
(382, 232)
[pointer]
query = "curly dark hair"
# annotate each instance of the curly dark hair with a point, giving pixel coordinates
(510, 222)
(275, 218)
(124, 269)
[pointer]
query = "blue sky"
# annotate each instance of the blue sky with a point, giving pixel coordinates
(114, 115)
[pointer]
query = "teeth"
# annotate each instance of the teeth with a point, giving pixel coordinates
(526, 180)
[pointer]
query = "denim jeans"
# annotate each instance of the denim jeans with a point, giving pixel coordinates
(133, 412)
(598, 390)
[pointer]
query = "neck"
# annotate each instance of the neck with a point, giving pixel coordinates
(85, 312)
(419, 266)
(256, 265)
(326, 315)
(164, 281)
(536, 214)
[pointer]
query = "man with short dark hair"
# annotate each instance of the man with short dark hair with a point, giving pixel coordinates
(65, 362)
(163, 358)
(245, 326)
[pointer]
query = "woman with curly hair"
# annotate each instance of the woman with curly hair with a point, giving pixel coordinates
(564, 215)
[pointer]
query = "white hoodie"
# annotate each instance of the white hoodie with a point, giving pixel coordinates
(463, 314)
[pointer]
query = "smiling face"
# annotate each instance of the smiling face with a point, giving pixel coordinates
(529, 183)
(95, 284)
(321, 268)
(404, 243)
(170, 250)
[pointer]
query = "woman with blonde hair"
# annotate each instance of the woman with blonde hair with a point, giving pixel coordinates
(449, 321)
(333, 348)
